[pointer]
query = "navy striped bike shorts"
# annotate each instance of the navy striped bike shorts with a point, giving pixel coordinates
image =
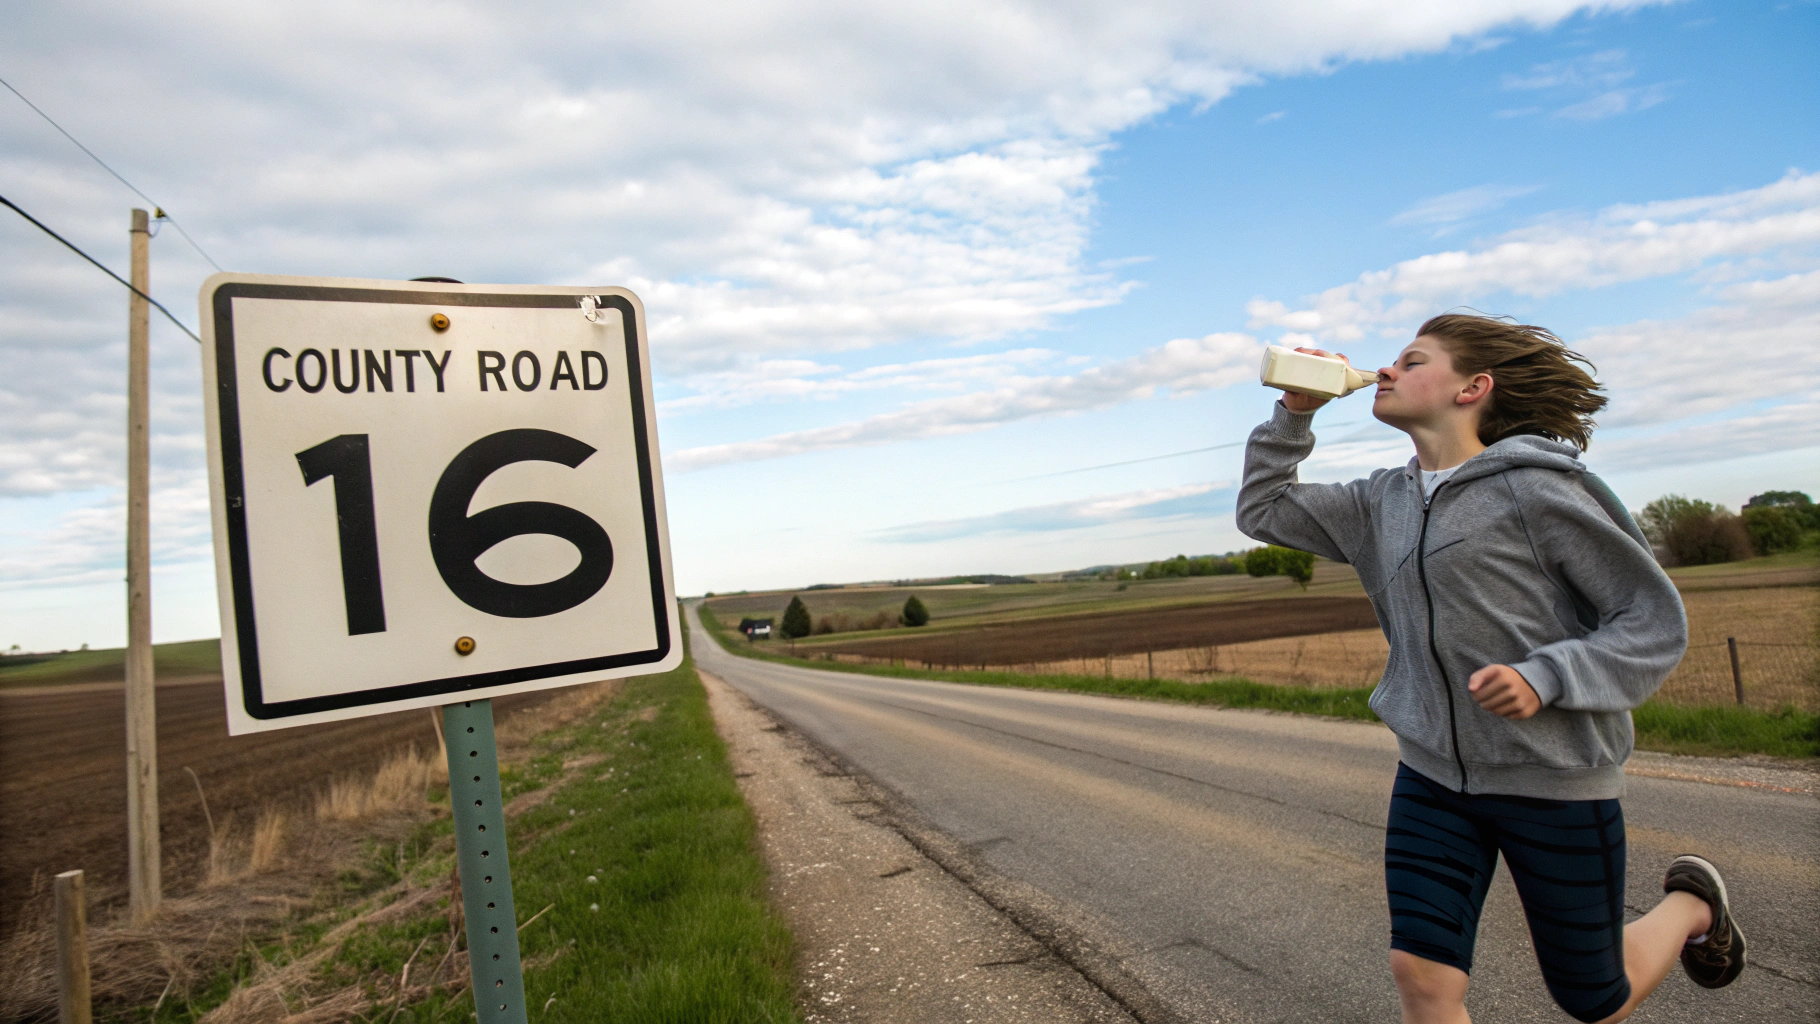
(1565, 856)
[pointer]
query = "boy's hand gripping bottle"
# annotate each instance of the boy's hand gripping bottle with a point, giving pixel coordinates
(1317, 376)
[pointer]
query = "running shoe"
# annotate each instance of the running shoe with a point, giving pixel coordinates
(1717, 961)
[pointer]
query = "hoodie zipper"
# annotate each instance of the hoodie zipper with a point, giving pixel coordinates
(1453, 725)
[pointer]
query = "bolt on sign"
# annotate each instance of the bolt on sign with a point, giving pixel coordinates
(427, 493)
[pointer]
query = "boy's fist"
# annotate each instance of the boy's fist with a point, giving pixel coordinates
(1502, 690)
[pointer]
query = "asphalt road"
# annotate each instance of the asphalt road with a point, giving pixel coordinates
(1231, 861)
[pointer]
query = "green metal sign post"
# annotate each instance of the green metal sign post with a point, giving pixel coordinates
(480, 851)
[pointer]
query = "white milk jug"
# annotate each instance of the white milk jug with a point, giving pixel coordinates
(1318, 376)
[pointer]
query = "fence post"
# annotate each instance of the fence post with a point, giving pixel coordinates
(72, 951)
(1737, 675)
(1150, 660)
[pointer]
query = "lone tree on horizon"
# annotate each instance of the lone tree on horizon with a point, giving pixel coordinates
(796, 620)
(914, 612)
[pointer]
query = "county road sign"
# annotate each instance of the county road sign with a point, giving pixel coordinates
(425, 493)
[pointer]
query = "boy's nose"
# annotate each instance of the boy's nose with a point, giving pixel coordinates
(1387, 373)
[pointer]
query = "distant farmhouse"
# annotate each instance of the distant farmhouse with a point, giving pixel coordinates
(756, 629)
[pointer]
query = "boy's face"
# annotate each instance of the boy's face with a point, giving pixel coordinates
(1422, 388)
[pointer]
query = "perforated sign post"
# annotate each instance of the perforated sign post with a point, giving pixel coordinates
(432, 495)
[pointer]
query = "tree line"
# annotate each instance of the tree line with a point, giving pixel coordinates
(1688, 531)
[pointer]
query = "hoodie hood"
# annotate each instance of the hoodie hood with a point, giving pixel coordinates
(1521, 450)
(1532, 451)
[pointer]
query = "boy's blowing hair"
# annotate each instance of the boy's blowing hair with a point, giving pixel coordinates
(1537, 388)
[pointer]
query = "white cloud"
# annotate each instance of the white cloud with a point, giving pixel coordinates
(1190, 500)
(803, 379)
(1601, 77)
(1760, 344)
(779, 182)
(1621, 243)
(1180, 367)
(1444, 212)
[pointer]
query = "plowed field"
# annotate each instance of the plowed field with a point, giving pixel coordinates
(63, 794)
(1113, 633)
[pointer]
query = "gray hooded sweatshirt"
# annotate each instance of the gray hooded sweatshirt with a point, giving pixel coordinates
(1521, 558)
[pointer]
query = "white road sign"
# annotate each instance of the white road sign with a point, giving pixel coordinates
(425, 493)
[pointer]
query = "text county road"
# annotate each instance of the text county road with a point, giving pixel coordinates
(1231, 861)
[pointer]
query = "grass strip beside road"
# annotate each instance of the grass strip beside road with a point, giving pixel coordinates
(1714, 731)
(627, 832)
(683, 931)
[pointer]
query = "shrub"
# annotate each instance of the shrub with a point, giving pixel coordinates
(1687, 531)
(1279, 561)
(1297, 565)
(1795, 503)
(796, 620)
(1773, 528)
(1261, 561)
(914, 612)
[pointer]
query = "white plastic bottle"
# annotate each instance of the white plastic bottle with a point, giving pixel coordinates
(1318, 376)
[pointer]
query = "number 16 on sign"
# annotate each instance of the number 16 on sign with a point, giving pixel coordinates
(433, 495)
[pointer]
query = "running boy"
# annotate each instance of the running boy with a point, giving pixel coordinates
(1526, 617)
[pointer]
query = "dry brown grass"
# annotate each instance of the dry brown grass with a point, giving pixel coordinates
(401, 783)
(268, 840)
(1778, 633)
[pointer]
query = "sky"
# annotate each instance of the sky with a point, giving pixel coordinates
(931, 288)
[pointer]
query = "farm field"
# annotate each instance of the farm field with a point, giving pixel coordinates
(968, 605)
(190, 658)
(1117, 632)
(1270, 631)
(64, 795)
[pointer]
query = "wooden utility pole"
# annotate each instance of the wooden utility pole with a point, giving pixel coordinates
(144, 877)
(72, 951)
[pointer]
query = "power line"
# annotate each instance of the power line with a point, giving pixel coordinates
(117, 177)
(72, 246)
(1149, 458)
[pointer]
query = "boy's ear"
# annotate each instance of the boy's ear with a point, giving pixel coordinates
(1475, 390)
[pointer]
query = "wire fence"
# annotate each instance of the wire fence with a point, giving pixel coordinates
(1768, 676)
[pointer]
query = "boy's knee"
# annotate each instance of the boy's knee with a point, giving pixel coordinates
(1426, 981)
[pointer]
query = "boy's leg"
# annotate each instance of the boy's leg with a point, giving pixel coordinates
(1438, 863)
(1567, 860)
(1430, 993)
(1653, 944)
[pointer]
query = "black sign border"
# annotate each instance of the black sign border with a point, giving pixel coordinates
(233, 484)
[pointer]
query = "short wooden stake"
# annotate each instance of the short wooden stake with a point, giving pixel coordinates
(1737, 675)
(1150, 660)
(72, 951)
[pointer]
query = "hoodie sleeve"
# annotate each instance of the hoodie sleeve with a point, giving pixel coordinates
(1327, 519)
(1641, 630)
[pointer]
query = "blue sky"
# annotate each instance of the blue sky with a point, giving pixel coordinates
(900, 291)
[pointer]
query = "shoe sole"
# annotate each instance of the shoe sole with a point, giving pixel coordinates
(1725, 905)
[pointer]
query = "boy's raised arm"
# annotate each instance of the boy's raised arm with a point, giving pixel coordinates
(1327, 519)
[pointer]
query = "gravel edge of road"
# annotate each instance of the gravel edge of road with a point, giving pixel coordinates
(1048, 923)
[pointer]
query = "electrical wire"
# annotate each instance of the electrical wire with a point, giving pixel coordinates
(159, 210)
(8, 203)
(1150, 458)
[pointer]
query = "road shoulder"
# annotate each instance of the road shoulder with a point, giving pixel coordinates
(883, 933)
